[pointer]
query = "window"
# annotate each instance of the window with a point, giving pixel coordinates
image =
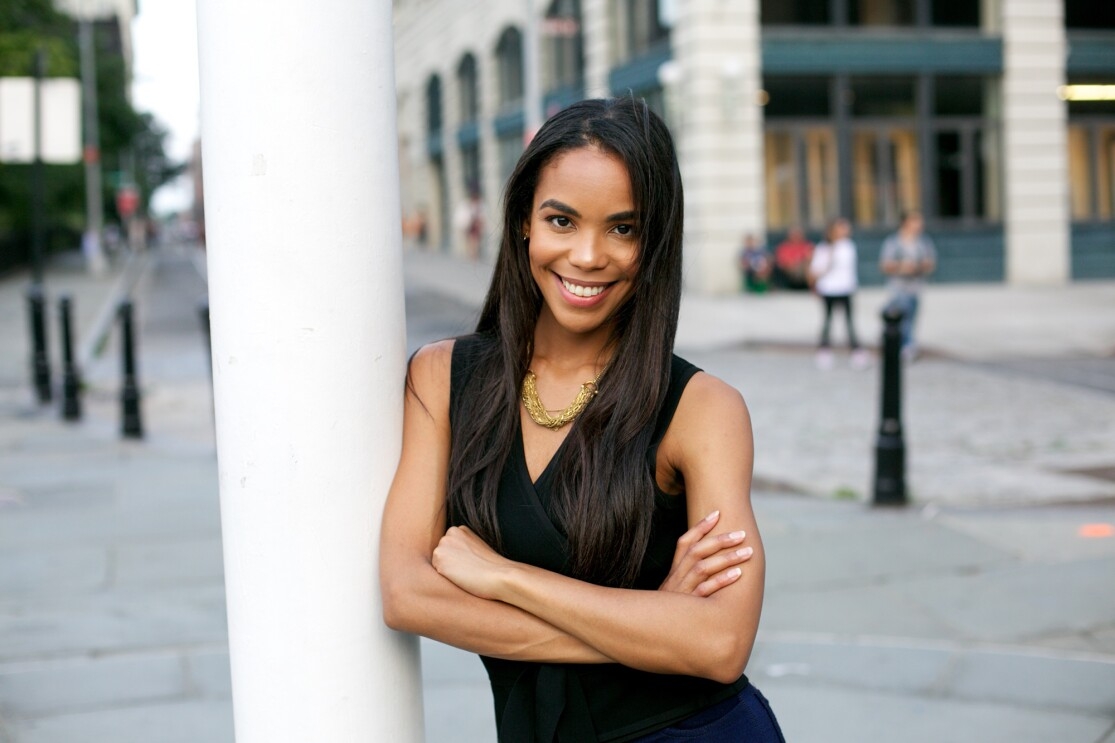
(801, 177)
(470, 168)
(793, 96)
(958, 95)
(433, 105)
(1090, 14)
(878, 13)
(802, 180)
(794, 12)
(885, 167)
(871, 147)
(953, 13)
(509, 60)
(467, 86)
(881, 12)
(883, 96)
(1091, 143)
(564, 44)
(965, 149)
(1092, 171)
(639, 27)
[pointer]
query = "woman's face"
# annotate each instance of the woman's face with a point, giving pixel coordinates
(583, 243)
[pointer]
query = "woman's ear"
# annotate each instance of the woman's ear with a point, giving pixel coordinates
(526, 229)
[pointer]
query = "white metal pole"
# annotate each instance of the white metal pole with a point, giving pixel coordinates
(306, 302)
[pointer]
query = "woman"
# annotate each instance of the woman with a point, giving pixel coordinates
(594, 555)
(835, 277)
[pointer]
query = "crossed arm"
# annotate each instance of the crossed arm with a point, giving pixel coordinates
(452, 587)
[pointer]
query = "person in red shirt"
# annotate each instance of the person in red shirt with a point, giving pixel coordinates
(791, 260)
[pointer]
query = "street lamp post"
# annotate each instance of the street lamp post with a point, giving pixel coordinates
(36, 294)
(91, 241)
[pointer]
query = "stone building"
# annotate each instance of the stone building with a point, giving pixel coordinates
(995, 118)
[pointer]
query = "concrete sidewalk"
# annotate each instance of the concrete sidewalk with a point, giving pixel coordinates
(982, 613)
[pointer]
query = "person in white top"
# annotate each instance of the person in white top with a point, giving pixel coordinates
(833, 274)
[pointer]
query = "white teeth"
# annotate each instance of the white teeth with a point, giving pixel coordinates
(582, 291)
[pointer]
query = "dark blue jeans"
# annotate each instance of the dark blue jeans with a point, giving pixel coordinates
(746, 718)
(909, 305)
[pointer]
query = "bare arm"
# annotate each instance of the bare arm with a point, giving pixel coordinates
(417, 599)
(710, 444)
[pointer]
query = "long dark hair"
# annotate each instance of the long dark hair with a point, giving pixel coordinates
(603, 493)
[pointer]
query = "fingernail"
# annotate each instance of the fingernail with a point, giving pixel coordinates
(712, 516)
(738, 534)
(735, 573)
(745, 552)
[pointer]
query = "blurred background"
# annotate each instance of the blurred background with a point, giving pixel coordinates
(978, 609)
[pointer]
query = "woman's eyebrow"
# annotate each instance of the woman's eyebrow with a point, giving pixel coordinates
(628, 216)
(555, 204)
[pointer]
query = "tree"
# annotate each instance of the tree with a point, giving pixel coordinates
(131, 143)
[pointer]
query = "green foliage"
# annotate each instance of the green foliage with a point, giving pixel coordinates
(131, 143)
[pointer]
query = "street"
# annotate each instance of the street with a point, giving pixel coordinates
(982, 612)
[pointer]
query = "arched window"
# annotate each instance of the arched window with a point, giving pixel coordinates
(509, 62)
(433, 106)
(468, 91)
(564, 43)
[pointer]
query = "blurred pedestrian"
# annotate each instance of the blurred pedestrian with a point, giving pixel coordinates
(755, 265)
(791, 260)
(907, 259)
(835, 277)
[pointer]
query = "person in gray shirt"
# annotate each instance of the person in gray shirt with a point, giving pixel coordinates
(907, 259)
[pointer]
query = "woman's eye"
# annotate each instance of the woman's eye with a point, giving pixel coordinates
(561, 221)
(625, 229)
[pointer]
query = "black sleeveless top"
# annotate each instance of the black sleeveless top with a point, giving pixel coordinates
(580, 703)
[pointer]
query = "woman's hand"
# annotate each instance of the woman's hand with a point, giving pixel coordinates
(704, 564)
(467, 560)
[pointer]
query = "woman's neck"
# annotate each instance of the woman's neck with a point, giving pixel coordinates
(556, 351)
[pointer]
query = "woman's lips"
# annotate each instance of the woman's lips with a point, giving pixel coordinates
(583, 293)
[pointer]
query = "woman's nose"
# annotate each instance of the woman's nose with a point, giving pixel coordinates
(588, 252)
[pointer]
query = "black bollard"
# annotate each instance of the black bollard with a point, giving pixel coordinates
(71, 379)
(40, 361)
(129, 397)
(890, 448)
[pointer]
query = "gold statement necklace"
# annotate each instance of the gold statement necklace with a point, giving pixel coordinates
(541, 416)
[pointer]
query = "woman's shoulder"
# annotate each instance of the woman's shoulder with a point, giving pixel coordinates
(707, 394)
(445, 353)
(710, 416)
(433, 357)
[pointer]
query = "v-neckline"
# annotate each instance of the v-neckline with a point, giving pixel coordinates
(522, 453)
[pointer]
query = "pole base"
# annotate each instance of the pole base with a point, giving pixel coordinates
(132, 425)
(890, 471)
(71, 397)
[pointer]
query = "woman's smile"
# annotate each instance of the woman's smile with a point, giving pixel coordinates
(583, 289)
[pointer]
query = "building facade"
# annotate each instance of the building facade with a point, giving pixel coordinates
(994, 118)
